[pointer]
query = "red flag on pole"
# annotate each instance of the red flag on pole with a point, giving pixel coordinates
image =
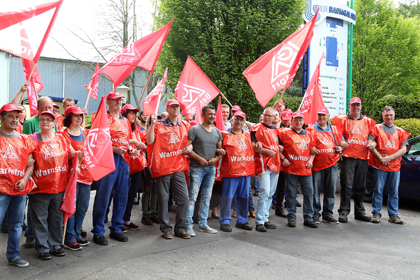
(35, 80)
(98, 150)
(219, 117)
(151, 101)
(35, 25)
(143, 53)
(312, 100)
(193, 87)
(276, 69)
(69, 198)
(198, 118)
(94, 84)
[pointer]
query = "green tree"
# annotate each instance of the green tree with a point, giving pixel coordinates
(386, 52)
(224, 38)
(410, 8)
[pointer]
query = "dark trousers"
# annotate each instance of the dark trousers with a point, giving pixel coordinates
(178, 184)
(281, 186)
(353, 178)
(134, 182)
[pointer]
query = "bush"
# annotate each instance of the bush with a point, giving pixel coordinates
(88, 121)
(412, 126)
(405, 106)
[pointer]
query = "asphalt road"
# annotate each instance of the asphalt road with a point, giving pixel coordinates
(356, 250)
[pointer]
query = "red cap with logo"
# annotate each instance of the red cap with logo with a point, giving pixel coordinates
(172, 102)
(114, 95)
(240, 114)
(48, 113)
(10, 107)
(73, 109)
(236, 108)
(297, 114)
(355, 100)
(128, 107)
(323, 110)
(286, 115)
(56, 106)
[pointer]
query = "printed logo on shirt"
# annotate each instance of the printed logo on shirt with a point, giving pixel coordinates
(326, 140)
(273, 135)
(48, 152)
(303, 145)
(10, 153)
(174, 138)
(356, 130)
(123, 128)
(242, 145)
(390, 144)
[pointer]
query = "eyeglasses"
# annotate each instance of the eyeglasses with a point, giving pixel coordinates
(46, 120)
(268, 116)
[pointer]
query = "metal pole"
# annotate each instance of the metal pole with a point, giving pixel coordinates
(350, 60)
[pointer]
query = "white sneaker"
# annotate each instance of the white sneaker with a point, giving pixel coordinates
(206, 229)
(190, 231)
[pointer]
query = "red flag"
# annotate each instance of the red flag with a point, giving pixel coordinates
(193, 87)
(151, 101)
(198, 118)
(98, 150)
(38, 30)
(69, 198)
(94, 84)
(312, 100)
(219, 117)
(143, 53)
(276, 69)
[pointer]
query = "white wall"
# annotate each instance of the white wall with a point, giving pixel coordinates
(4, 75)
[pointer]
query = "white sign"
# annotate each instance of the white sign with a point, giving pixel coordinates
(331, 38)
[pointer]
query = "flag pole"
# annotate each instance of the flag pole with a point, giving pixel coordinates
(144, 90)
(226, 99)
(65, 228)
(36, 93)
(87, 100)
(303, 98)
(29, 79)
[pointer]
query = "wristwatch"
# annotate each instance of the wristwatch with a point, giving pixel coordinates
(283, 158)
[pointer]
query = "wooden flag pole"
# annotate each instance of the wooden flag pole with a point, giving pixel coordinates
(65, 228)
(36, 93)
(87, 100)
(29, 79)
(144, 90)
(226, 99)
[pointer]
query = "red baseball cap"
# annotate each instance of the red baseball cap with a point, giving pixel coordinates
(73, 109)
(48, 113)
(288, 110)
(297, 114)
(355, 100)
(286, 115)
(128, 107)
(282, 103)
(10, 107)
(56, 106)
(172, 102)
(236, 108)
(114, 95)
(323, 110)
(240, 114)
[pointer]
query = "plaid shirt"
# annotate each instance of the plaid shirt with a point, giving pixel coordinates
(167, 122)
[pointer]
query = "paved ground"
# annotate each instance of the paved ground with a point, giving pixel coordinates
(356, 250)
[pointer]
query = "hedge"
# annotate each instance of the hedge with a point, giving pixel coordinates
(412, 126)
(405, 106)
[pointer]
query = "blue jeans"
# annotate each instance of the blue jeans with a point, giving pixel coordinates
(250, 200)
(326, 178)
(256, 183)
(240, 187)
(117, 181)
(392, 179)
(75, 222)
(17, 205)
(203, 176)
(308, 196)
(268, 184)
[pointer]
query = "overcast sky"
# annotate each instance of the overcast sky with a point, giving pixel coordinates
(86, 15)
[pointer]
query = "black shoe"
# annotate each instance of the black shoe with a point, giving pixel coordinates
(362, 217)
(329, 219)
(214, 216)
(298, 204)
(132, 226)
(310, 224)
(5, 228)
(145, 220)
(183, 235)
(256, 193)
(269, 225)
(342, 218)
(280, 212)
(45, 256)
(226, 228)
(316, 218)
(83, 233)
(119, 236)
(155, 218)
(30, 242)
(100, 240)
(58, 253)
(291, 223)
(261, 228)
(245, 226)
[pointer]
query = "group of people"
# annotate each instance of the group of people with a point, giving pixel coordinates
(198, 165)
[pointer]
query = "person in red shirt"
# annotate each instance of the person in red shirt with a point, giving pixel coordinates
(356, 128)
(325, 168)
(236, 171)
(16, 150)
(391, 143)
(297, 163)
